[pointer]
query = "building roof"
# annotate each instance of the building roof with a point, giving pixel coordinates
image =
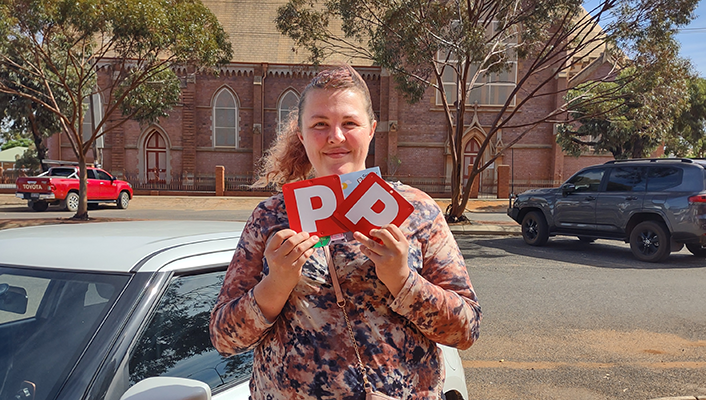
(11, 154)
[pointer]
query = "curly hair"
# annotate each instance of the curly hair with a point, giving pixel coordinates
(286, 160)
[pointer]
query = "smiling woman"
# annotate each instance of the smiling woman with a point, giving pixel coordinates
(278, 295)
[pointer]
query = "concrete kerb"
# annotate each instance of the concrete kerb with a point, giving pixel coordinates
(482, 228)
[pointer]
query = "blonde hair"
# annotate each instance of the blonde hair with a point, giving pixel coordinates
(286, 160)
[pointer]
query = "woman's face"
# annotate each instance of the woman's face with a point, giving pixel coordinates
(336, 131)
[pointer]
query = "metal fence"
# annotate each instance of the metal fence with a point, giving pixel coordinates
(434, 185)
(239, 183)
(203, 183)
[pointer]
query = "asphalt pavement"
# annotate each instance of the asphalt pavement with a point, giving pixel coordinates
(486, 216)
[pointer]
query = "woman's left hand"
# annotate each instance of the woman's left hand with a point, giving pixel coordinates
(389, 254)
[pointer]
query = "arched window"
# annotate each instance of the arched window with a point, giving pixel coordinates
(288, 102)
(225, 120)
(155, 158)
(470, 153)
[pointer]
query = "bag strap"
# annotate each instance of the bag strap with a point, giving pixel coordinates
(341, 303)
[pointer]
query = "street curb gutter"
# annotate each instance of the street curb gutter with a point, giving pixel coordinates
(682, 398)
(487, 229)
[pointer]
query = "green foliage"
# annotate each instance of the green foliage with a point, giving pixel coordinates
(145, 102)
(55, 54)
(22, 142)
(688, 137)
(30, 162)
(628, 117)
(420, 41)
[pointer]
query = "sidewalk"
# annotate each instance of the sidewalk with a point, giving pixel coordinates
(486, 216)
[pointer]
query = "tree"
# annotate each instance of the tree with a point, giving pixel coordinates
(22, 142)
(631, 125)
(649, 95)
(688, 136)
(59, 54)
(420, 42)
(24, 117)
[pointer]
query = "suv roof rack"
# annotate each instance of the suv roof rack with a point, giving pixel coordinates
(684, 160)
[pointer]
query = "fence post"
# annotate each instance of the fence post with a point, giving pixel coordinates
(220, 180)
(503, 181)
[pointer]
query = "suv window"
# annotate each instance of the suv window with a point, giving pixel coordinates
(58, 171)
(627, 179)
(588, 180)
(661, 178)
(177, 342)
(102, 175)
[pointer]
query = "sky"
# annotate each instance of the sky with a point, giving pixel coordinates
(693, 40)
(691, 37)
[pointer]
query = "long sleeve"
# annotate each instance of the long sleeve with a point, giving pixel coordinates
(438, 297)
(237, 324)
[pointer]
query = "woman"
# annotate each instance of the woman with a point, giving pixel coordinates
(403, 294)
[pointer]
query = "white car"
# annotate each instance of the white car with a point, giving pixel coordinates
(88, 311)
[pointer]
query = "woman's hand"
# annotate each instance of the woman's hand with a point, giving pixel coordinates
(389, 253)
(286, 252)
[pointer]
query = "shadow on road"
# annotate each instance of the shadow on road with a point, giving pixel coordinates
(600, 254)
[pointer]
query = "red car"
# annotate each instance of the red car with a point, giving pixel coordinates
(60, 185)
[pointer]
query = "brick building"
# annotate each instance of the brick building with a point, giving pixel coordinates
(230, 119)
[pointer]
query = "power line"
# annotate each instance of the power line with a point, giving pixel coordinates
(692, 30)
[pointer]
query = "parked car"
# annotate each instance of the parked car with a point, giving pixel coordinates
(107, 307)
(656, 205)
(60, 185)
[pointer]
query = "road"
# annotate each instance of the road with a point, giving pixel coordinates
(564, 321)
(577, 321)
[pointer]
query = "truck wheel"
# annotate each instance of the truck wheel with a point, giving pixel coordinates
(696, 249)
(534, 229)
(649, 241)
(123, 200)
(40, 205)
(72, 202)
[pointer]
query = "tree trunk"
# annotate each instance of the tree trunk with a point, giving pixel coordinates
(457, 207)
(82, 212)
(37, 137)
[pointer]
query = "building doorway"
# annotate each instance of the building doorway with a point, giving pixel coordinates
(155, 158)
(470, 153)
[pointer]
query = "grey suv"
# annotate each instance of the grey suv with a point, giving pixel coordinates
(656, 205)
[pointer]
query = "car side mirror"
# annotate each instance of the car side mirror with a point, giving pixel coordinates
(168, 388)
(567, 189)
(13, 299)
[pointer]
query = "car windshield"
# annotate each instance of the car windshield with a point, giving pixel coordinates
(46, 320)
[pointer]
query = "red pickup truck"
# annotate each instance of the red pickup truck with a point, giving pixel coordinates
(59, 186)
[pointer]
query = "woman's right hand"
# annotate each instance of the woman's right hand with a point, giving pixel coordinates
(286, 252)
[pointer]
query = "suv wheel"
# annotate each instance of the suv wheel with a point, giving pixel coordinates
(534, 229)
(649, 241)
(696, 249)
(123, 200)
(72, 202)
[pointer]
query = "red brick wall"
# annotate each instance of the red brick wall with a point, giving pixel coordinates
(421, 128)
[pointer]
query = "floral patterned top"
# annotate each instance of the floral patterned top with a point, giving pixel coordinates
(307, 351)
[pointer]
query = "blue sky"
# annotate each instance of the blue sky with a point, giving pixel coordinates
(691, 37)
(693, 40)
